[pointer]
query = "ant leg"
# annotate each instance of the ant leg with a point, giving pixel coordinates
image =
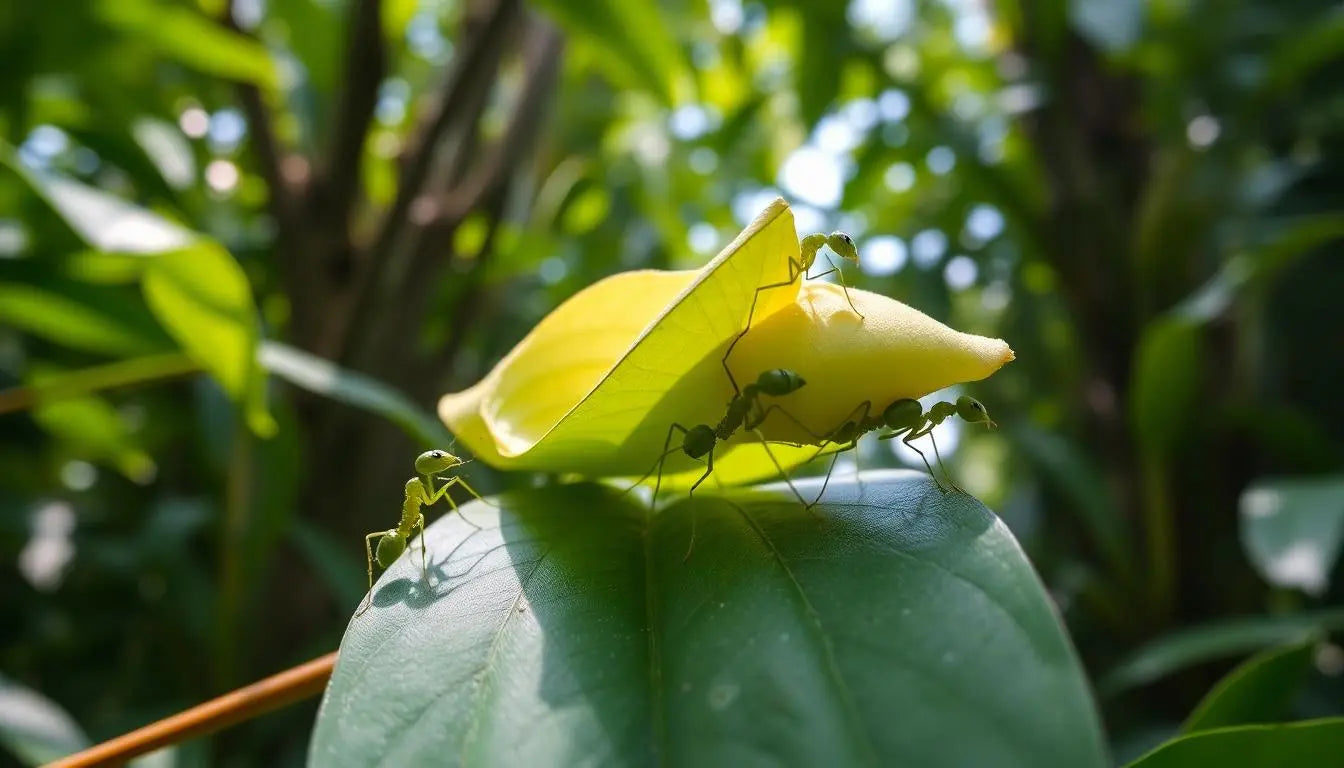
(845, 287)
(795, 269)
(857, 417)
(777, 407)
(913, 435)
(653, 502)
(424, 569)
(689, 495)
(834, 457)
(443, 491)
(780, 469)
(946, 475)
(368, 550)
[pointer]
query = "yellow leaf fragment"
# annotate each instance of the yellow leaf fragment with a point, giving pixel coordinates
(593, 389)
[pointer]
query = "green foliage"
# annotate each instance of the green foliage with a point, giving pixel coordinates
(898, 625)
(1314, 742)
(1260, 690)
(1293, 529)
(208, 234)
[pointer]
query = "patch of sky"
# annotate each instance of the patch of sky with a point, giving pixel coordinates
(726, 16)
(984, 223)
(883, 255)
(43, 144)
(748, 203)
(941, 160)
(927, 247)
(702, 237)
(703, 160)
(862, 114)
(808, 219)
(689, 122)
(227, 129)
(885, 20)
(425, 39)
(893, 105)
(960, 273)
(899, 177)
(393, 95)
(836, 135)
(813, 176)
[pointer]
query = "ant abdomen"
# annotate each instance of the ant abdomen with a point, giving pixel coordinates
(699, 440)
(902, 413)
(390, 547)
(777, 382)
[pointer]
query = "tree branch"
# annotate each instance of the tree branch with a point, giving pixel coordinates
(544, 47)
(385, 270)
(478, 47)
(365, 68)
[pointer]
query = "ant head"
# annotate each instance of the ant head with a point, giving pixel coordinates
(699, 440)
(430, 462)
(779, 381)
(902, 414)
(970, 409)
(843, 245)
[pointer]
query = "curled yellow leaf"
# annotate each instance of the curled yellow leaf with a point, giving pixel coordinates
(593, 389)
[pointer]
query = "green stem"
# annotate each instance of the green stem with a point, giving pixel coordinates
(87, 380)
(233, 541)
(1160, 533)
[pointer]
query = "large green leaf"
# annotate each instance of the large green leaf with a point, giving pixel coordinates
(1260, 690)
(1292, 530)
(1312, 743)
(898, 626)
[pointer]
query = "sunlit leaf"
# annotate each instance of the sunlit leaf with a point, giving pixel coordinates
(191, 39)
(202, 297)
(72, 322)
(1260, 690)
(98, 432)
(198, 292)
(1292, 530)
(594, 388)
(903, 627)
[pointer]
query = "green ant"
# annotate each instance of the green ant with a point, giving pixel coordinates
(839, 242)
(420, 492)
(744, 411)
(909, 421)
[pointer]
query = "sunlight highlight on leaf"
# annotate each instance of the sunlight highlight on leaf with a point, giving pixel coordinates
(595, 387)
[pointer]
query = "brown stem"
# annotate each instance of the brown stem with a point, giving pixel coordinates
(385, 271)
(246, 703)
